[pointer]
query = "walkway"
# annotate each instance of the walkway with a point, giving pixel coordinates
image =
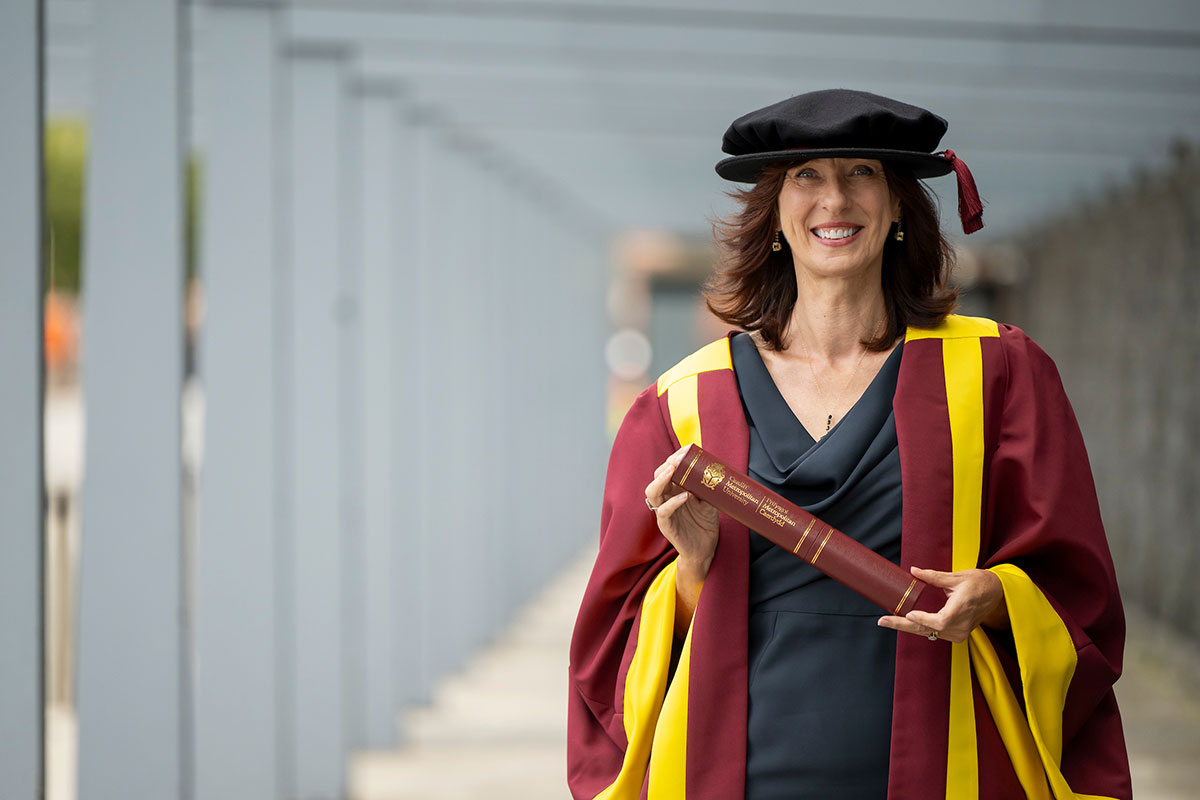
(497, 730)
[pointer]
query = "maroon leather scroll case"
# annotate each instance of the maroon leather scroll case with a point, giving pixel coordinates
(846, 560)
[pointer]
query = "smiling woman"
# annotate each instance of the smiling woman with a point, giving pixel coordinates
(707, 662)
(756, 285)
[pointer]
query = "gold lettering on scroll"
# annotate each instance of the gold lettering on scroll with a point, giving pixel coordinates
(713, 474)
(739, 491)
(775, 513)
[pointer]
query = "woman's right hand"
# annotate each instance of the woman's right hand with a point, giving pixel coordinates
(688, 523)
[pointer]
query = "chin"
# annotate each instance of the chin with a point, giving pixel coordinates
(837, 265)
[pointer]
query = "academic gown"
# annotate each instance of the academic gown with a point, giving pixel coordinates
(995, 476)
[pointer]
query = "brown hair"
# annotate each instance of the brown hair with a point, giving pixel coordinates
(754, 287)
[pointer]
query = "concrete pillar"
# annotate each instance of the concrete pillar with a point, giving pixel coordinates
(519, 287)
(443, 535)
(315, 695)
(130, 711)
(424, 467)
(237, 663)
(504, 265)
(408, 337)
(378, 216)
(448, 463)
(351, 422)
(469, 307)
(492, 357)
(21, 491)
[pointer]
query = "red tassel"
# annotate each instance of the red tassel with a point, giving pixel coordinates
(970, 208)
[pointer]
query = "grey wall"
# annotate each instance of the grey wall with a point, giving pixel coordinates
(20, 401)
(1112, 293)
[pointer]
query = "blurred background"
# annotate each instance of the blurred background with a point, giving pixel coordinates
(316, 318)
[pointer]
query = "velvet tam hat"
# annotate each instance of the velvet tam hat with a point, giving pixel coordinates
(841, 123)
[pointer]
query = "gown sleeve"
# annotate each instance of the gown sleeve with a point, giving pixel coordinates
(622, 643)
(1047, 544)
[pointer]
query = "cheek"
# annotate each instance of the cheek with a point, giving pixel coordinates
(792, 213)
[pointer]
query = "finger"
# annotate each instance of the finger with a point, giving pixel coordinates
(943, 580)
(671, 463)
(658, 488)
(671, 506)
(904, 626)
(668, 467)
(926, 620)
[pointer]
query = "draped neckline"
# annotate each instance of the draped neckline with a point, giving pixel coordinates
(794, 457)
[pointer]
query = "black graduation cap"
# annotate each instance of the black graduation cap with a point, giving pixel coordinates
(844, 123)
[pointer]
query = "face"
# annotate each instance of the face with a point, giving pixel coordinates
(835, 214)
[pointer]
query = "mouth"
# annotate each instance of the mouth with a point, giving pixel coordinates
(840, 234)
(834, 234)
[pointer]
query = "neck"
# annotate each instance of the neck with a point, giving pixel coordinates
(832, 316)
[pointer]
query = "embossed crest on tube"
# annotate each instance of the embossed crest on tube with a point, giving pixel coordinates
(713, 475)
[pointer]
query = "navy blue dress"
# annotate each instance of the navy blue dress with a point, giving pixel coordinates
(821, 670)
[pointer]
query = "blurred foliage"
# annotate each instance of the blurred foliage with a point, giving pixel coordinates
(65, 158)
(193, 192)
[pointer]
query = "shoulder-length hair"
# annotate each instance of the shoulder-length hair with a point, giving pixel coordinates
(754, 287)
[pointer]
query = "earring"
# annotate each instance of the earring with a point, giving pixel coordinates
(899, 234)
(776, 245)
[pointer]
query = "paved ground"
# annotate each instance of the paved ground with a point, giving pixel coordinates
(496, 731)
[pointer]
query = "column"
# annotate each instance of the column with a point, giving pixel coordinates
(421, 469)
(475, 470)
(408, 340)
(21, 490)
(491, 365)
(130, 632)
(382, 319)
(351, 410)
(517, 288)
(315, 693)
(236, 552)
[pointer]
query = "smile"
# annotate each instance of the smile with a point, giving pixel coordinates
(835, 233)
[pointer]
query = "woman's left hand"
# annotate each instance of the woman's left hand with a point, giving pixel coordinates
(973, 597)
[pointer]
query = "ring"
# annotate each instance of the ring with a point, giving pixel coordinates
(652, 508)
(933, 636)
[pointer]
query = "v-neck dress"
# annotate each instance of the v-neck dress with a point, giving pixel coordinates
(821, 670)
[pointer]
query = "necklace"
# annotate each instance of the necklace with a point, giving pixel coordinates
(821, 389)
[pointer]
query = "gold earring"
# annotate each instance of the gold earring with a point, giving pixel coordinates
(776, 245)
(899, 234)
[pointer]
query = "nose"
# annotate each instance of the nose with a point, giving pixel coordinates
(834, 194)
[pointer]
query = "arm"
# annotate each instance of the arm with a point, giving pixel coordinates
(690, 525)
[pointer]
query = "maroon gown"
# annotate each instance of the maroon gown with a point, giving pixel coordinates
(993, 466)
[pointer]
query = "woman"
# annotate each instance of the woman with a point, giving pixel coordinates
(708, 663)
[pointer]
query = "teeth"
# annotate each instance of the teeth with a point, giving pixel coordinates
(836, 233)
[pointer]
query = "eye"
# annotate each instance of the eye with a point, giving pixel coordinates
(804, 172)
(862, 169)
